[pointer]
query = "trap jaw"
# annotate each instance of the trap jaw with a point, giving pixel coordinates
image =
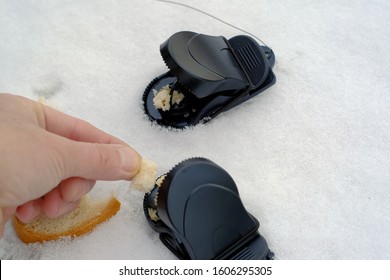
(213, 73)
(199, 215)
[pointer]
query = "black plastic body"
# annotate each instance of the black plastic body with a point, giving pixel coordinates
(201, 215)
(215, 75)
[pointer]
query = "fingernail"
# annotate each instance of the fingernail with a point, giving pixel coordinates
(130, 160)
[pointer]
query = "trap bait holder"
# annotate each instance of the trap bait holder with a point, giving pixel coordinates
(198, 213)
(214, 75)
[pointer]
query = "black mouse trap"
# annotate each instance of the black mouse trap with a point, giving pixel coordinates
(207, 76)
(198, 213)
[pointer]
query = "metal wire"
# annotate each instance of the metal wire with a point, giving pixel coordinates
(214, 17)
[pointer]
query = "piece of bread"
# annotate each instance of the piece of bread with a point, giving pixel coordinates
(86, 216)
(165, 97)
(144, 180)
(82, 220)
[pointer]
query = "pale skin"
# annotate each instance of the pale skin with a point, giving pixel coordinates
(49, 160)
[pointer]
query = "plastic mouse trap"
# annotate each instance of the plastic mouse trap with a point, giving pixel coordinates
(207, 76)
(198, 213)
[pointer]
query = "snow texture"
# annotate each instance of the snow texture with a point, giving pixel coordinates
(310, 156)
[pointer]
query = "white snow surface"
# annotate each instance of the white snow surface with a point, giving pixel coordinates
(310, 156)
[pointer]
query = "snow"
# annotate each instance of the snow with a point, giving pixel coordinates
(310, 155)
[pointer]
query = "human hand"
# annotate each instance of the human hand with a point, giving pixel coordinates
(49, 160)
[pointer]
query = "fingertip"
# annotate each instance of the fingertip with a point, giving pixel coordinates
(29, 211)
(130, 162)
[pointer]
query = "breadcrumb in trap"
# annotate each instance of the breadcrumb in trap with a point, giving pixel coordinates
(163, 99)
(153, 214)
(177, 97)
(160, 180)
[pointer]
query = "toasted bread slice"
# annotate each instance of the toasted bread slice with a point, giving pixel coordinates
(82, 220)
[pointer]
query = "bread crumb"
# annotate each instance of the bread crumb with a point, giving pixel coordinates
(153, 214)
(42, 100)
(160, 180)
(144, 180)
(162, 99)
(177, 97)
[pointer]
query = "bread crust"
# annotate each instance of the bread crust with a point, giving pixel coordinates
(28, 234)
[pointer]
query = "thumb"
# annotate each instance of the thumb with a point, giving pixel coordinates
(100, 161)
